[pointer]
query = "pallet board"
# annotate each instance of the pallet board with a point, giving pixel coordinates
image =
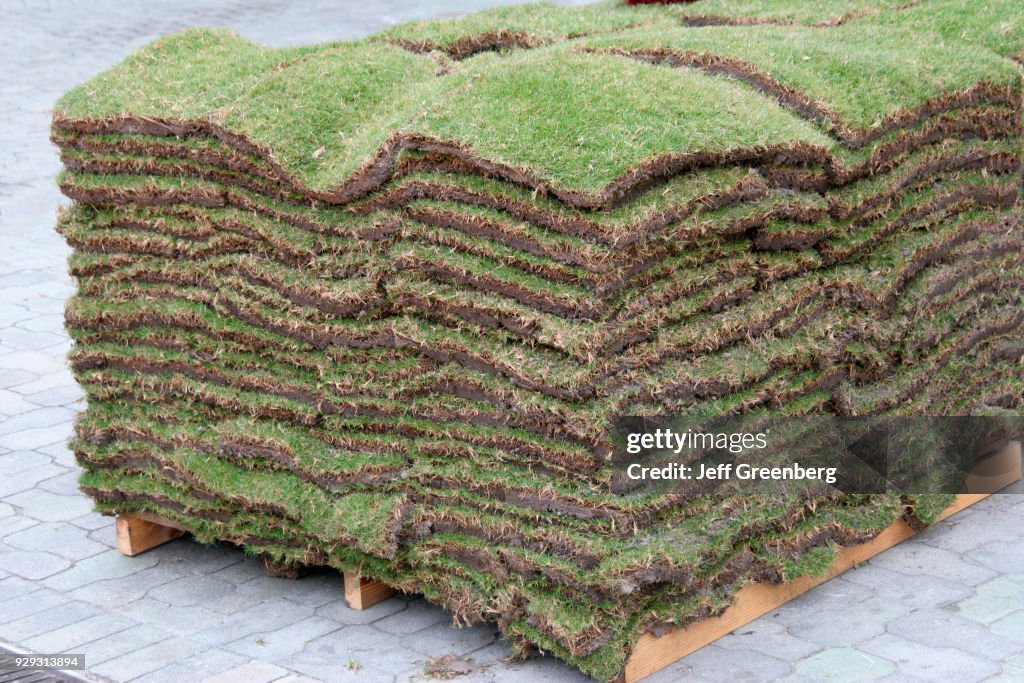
(653, 653)
(362, 592)
(143, 531)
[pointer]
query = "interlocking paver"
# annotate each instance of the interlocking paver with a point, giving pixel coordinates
(909, 590)
(992, 600)
(49, 507)
(859, 622)
(72, 637)
(100, 568)
(1000, 556)
(417, 615)
(919, 559)
(117, 644)
(942, 628)
(708, 664)
(280, 643)
(1011, 627)
(25, 480)
(250, 672)
(341, 612)
(19, 461)
(192, 590)
(196, 667)
(433, 639)
(181, 620)
(144, 660)
(62, 540)
(931, 663)
(33, 565)
(34, 624)
(326, 658)
(841, 665)
(264, 616)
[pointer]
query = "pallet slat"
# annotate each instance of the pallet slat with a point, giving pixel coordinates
(362, 593)
(139, 532)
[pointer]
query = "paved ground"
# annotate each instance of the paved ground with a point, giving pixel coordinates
(948, 605)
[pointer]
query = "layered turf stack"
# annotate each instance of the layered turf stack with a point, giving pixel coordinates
(376, 304)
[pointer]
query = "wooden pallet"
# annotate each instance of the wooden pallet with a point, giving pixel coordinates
(142, 531)
(653, 653)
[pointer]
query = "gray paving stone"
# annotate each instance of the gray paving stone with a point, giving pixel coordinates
(144, 660)
(29, 439)
(60, 453)
(324, 659)
(25, 480)
(1014, 667)
(73, 637)
(250, 672)
(50, 507)
(245, 569)
(117, 644)
(540, 668)
(13, 403)
(104, 536)
(280, 643)
(59, 539)
(92, 522)
(14, 587)
(21, 339)
(1011, 626)
(918, 559)
(108, 565)
(857, 623)
(12, 376)
(51, 381)
(976, 526)
(34, 624)
(942, 628)
(318, 590)
(930, 663)
(40, 418)
(841, 665)
(63, 484)
(194, 668)
(340, 611)
(19, 461)
(52, 322)
(417, 615)
(909, 590)
(708, 664)
(193, 590)
(13, 524)
(461, 641)
(113, 593)
(265, 616)
(1000, 556)
(181, 620)
(32, 565)
(835, 594)
(771, 638)
(992, 600)
(195, 559)
(70, 395)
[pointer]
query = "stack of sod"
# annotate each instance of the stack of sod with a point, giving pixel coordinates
(376, 304)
